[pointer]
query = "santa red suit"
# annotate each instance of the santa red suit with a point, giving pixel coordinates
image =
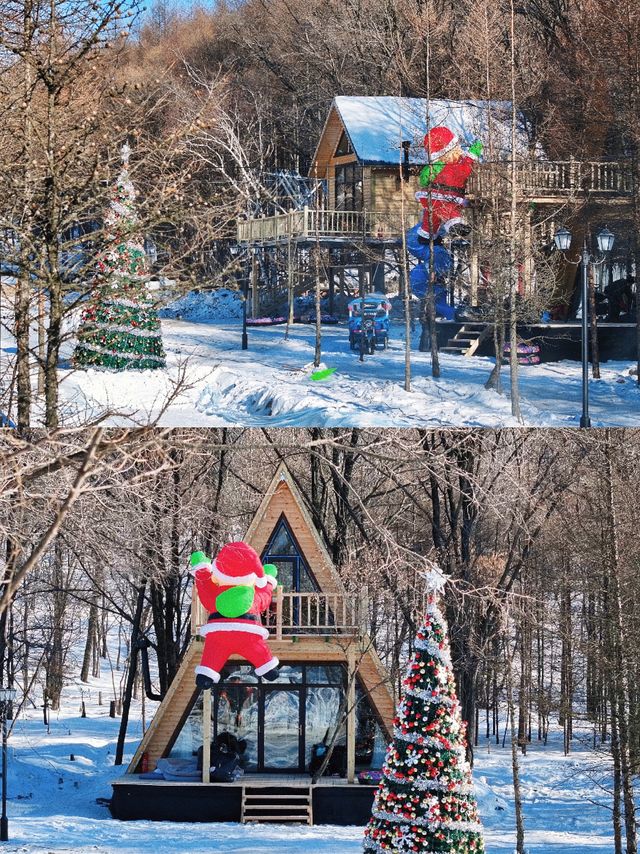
(235, 589)
(444, 180)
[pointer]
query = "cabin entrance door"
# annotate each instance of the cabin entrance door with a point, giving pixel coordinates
(281, 729)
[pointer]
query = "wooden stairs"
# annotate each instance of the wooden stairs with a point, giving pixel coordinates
(288, 804)
(467, 339)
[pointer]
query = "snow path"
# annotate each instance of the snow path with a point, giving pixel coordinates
(270, 385)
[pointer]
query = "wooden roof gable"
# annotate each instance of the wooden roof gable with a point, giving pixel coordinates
(283, 498)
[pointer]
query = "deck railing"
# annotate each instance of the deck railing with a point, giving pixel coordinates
(563, 178)
(303, 613)
(534, 179)
(309, 224)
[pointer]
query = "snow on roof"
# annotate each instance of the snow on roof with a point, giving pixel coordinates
(377, 125)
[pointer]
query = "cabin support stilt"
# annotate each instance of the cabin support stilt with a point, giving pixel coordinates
(351, 716)
(254, 284)
(206, 735)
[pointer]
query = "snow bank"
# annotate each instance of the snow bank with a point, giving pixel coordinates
(205, 306)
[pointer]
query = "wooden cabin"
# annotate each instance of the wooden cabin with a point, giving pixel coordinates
(364, 206)
(328, 664)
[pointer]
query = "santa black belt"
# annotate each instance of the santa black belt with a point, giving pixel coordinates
(446, 188)
(217, 616)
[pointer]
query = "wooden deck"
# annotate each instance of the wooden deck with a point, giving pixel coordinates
(268, 780)
(539, 181)
(553, 180)
(323, 225)
(304, 613)
(331, 801)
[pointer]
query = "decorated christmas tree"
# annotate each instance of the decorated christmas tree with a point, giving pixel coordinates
(425, 801)
(120, 329)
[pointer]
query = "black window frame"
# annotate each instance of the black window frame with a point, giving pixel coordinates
(348, 186)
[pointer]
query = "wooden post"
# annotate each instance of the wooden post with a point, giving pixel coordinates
(206, 734)
(527, 271)
(474, 272)
(351, 716)
(195, 610)
(279, 594)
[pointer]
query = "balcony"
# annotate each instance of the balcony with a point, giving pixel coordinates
(294, 614)
(552, 179)
(310, 224)
(541, 181)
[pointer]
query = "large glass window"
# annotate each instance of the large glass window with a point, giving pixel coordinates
(349, 187)
(322, 711)
(371, 742)
(344, 146)
(190, 736)
(279, 721)
(282, 735)
(235, 711)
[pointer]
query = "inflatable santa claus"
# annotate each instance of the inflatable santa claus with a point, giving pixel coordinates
(235, 588)
(443, 181)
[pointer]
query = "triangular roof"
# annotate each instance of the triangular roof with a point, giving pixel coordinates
(282, 498)
(376, 127)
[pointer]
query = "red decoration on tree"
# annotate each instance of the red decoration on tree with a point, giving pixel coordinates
(425, 800)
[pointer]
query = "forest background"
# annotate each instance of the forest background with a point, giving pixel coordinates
(536, 529)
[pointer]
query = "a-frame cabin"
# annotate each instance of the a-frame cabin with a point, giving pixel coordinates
(330, 675)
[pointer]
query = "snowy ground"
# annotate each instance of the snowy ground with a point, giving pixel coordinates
(209, 381)
(215, 383)
(52, 802)
(52, 798)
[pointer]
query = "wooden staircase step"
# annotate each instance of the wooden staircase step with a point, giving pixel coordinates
(276, 818)
(288, 798)
(276, 808)
(294, 805)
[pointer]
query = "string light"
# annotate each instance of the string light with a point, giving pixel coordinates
(425, 801)
(120, 329)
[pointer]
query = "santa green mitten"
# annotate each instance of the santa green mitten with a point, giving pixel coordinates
(271, 573)
(430, 173)
(475, 149)
(198, 561)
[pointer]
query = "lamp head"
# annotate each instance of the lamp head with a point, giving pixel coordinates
(606, 240)
(562, 239)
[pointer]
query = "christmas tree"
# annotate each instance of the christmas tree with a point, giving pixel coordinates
(120, 328)
(425, 801)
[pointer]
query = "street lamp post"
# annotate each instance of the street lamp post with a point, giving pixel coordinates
(605, 240)
(245, 340)
(7, 695)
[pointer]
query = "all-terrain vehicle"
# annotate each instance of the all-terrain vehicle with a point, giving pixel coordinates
(369, 320)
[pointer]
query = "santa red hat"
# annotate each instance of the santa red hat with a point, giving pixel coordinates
(238, 563)
(439, 141)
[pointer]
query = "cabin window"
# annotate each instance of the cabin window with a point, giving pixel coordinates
(349, 187)
(279, 721)
(371, 742)
(293, 572)
(344, 146)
